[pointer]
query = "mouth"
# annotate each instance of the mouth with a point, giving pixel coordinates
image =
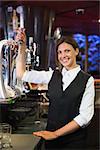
(65, 60)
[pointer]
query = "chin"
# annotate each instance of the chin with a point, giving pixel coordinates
(66, 65)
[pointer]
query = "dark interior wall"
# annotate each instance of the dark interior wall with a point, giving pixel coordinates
(38, 24)
(1, 24)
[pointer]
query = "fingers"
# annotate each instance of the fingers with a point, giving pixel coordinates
(47, 135)
(38, 134)
(21, 36)
(20, 30)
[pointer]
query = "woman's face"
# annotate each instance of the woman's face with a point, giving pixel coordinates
(67, 55)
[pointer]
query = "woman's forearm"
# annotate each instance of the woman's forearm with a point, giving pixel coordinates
(21, 61)
(67, 129)
(50, 135)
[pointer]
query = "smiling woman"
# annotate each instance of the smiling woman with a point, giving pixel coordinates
(69, 114)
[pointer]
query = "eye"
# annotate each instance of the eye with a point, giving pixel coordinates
(59, 52)
(67, 50)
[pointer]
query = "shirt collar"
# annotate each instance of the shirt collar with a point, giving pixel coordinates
(71, 72)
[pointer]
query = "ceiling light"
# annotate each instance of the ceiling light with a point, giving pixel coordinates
(79, 11)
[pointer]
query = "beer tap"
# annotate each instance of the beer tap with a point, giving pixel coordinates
(5, 93)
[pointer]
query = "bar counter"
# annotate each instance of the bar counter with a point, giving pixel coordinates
(24, 141)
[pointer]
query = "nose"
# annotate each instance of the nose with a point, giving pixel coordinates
(63, 54)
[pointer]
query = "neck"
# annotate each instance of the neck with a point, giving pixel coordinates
(70, 68)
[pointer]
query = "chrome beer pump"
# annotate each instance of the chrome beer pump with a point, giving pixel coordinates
(6, 90)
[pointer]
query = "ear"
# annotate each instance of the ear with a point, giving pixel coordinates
(77, 51)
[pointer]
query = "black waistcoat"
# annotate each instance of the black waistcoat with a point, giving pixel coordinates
(64, 105)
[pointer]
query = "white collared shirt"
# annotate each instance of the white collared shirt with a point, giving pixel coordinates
(86, 109)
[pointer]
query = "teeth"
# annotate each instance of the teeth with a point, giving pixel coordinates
(65, 60)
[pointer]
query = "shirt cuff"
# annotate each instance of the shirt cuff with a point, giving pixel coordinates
(24, 78)
(80, 121)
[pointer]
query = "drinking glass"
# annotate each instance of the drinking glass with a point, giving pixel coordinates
(6, 135)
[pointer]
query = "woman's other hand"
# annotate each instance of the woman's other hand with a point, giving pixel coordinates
(47, 135)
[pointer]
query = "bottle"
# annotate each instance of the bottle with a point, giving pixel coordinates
(31, 51)
(37, 61)
(28, 56)
(30, 43)
(15, 21)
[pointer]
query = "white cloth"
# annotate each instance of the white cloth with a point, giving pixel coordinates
(86, 109)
